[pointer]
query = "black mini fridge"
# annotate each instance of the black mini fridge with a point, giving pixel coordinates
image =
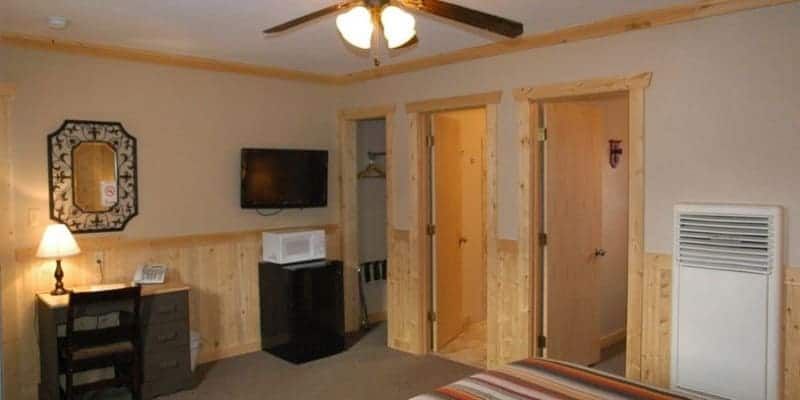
(302, 310)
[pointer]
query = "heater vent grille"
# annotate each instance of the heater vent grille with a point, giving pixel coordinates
(727, 242)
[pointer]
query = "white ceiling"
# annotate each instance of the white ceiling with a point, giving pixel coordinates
(231, 29)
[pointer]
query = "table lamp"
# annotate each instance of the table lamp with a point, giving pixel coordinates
(57, 243)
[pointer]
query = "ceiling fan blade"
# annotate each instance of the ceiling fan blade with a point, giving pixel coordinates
(308, 17)
(464, 15)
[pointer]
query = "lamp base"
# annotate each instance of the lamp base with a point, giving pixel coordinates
(59, 275)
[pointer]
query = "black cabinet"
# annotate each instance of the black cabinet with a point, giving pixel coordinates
(302, 310)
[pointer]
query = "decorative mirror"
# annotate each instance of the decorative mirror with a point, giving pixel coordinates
(92, 176)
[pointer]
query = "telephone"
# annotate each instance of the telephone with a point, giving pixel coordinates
(150, 274)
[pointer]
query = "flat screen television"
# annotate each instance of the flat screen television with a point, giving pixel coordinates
(278, 178)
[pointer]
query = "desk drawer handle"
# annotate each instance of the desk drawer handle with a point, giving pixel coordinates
(168, 364)
(167, 310)
(167, 338)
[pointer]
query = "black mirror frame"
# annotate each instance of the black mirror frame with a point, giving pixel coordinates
(63, 209)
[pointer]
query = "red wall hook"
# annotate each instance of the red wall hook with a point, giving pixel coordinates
(614, 152)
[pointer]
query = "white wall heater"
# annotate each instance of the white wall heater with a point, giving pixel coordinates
(727, 301)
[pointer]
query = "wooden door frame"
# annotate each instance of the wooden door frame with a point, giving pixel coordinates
(419, 115)
(528, 256)
(7, 92)
(348, 199)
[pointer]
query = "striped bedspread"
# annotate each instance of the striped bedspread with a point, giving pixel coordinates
(537, 379)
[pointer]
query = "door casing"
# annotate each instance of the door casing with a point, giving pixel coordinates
(529, 251)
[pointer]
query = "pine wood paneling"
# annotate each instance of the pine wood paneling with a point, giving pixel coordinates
(222, 270)
(507, 317)
(400, 311)
(792, 339)
(656, 319)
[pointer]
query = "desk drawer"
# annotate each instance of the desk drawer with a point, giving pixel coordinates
(159, 337)
(167, 365)
(165, 308)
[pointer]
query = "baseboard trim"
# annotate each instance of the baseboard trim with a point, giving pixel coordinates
(613, 338)
(376, 317)
(220, 354)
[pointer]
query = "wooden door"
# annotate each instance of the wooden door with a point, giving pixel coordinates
(572, 202)
(447, 205)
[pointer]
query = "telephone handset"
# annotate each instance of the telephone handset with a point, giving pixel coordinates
(150, 274)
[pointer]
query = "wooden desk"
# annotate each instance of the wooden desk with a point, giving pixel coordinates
(165, 338)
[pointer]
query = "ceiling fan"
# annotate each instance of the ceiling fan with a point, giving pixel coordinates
(359, 18)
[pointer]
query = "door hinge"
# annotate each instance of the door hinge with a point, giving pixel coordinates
(541, 341)
(432, 316)
(429, 140)
(430, 229)
(542, 239)
(542, 134)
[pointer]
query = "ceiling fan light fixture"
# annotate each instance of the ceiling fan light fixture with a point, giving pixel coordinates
(356, 27)
(399, 26)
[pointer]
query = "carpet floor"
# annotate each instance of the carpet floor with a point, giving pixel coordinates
(368, 370)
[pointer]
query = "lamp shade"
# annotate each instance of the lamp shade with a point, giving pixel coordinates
(57, 242)
(356, 27)
(398, 26)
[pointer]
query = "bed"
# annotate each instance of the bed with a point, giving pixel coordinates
(538, 379)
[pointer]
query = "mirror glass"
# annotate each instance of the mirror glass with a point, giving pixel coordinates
(94, 176)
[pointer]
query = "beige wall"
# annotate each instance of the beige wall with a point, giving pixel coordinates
(721, 114)
(190, 126)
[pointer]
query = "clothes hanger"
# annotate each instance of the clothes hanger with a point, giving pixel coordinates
(373, 170)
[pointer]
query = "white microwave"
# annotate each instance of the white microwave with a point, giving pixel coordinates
(292, 247)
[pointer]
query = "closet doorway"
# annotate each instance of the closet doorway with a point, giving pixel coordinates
(458, 236)
(365, 155)
(585, 196)
(372, 219)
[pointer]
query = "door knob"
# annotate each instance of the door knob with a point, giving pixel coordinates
(599, 252)
(462, 241)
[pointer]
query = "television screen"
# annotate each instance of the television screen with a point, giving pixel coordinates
(276, 178)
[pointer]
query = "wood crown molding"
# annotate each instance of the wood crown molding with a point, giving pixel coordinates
(584, 88)
(452, 103)
(607, 27)
(593, 30)
(7, 89)
(160, 58)
(366, 113)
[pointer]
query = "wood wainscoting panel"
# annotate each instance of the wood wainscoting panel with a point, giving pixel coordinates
(222, 270)
(656, 319)
(656, 324)
(508, 319)
(400, 310)
(791, 323)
